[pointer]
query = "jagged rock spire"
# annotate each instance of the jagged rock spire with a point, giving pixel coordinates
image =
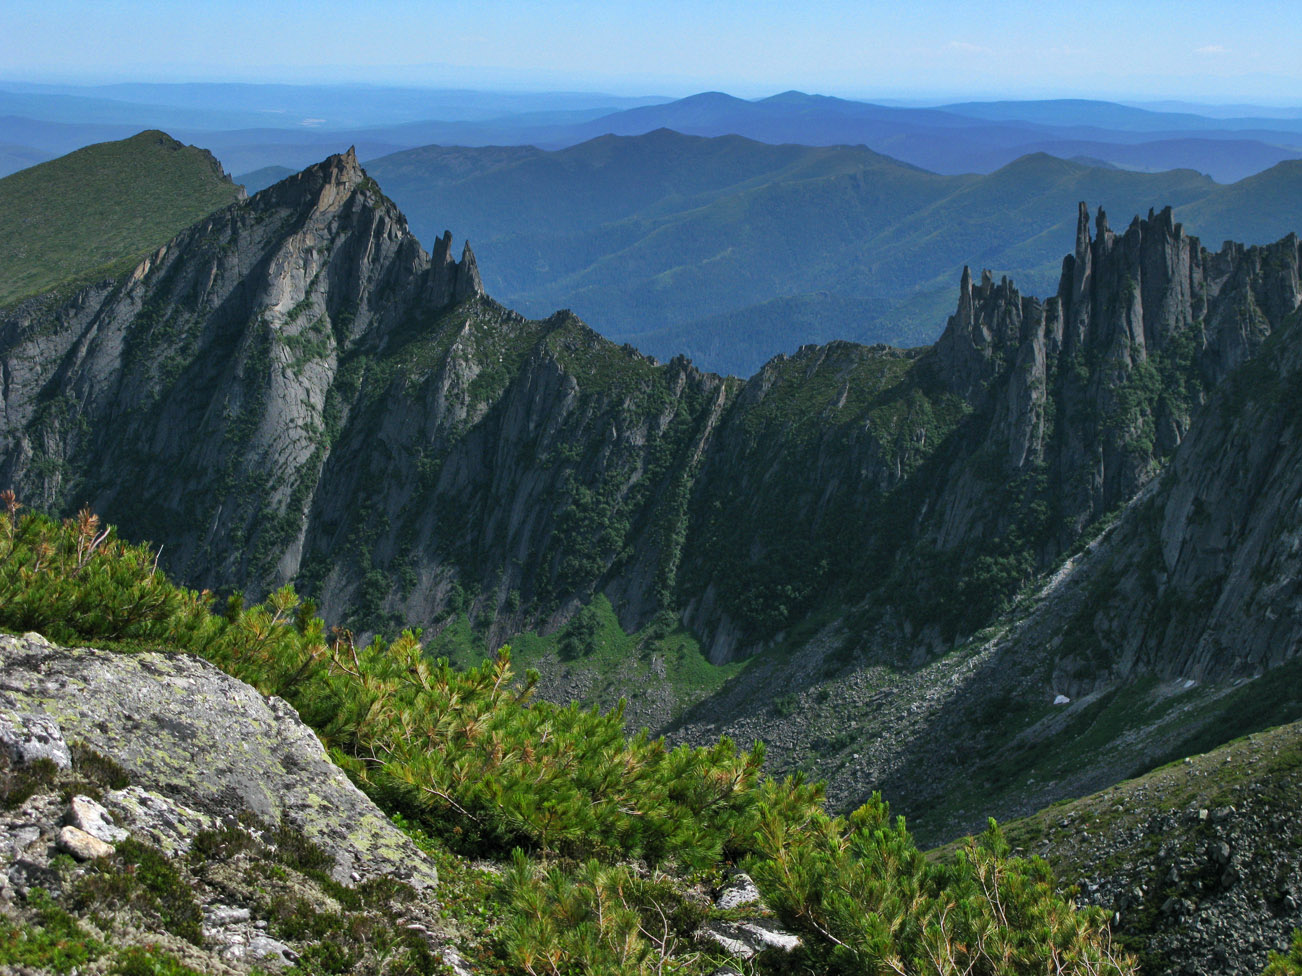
(1083, 233)
(322, 187)
(450, 280)
(468, 282)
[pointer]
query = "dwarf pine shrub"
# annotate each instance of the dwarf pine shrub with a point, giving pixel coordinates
(606, 828)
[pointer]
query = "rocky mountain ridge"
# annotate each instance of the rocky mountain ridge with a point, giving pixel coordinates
(292, 390)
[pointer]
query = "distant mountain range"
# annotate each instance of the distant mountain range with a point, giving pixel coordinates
(730, 250)
(249, 127)
(724, 249)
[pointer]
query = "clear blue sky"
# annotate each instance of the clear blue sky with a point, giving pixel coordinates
(1202, 49)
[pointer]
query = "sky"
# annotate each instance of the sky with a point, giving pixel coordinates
(1206, 50)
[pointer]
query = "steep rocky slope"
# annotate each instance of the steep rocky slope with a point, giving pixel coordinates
(1198, 861)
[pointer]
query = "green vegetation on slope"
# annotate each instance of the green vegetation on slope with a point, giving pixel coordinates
(464, 756)
(658, 671)
(95, 212)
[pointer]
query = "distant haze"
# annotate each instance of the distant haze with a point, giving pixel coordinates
(1192, 49)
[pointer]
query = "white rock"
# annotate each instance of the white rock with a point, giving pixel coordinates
(738, 892)
(220, 916)
(749, 938)
(82, 845)
(85, 814)
(1062, 700)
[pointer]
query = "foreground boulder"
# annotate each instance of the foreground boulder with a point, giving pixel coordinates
(206, 740)
(192, 817)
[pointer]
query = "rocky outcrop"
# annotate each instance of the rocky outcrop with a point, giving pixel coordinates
(209, 747)
(218, 831)
(293, 390)
(752, 930)
(1094, 388)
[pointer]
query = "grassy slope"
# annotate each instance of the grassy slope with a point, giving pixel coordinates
(1257, 210)
(96, 211)
(658, 671)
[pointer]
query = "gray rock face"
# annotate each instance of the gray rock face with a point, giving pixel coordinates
(1094, 388)
(215, 359)
(28, 738)
(201, 750)
(166, 824)
(295, 374)
(205, 743)
(1167, 627)
(747, 937)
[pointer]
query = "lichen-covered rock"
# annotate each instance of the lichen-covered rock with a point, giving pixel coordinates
(212, 855)
(29, 737)
(205, 741)
(165, 823)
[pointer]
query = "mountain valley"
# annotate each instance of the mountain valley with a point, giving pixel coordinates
(1052, 551)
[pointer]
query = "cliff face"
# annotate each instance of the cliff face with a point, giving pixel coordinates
(293, 390)
(190, 400)
(1099, 383)
(927, 486)
(1157, 358)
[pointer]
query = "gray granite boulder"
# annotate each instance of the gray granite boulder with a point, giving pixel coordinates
(199, 744)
